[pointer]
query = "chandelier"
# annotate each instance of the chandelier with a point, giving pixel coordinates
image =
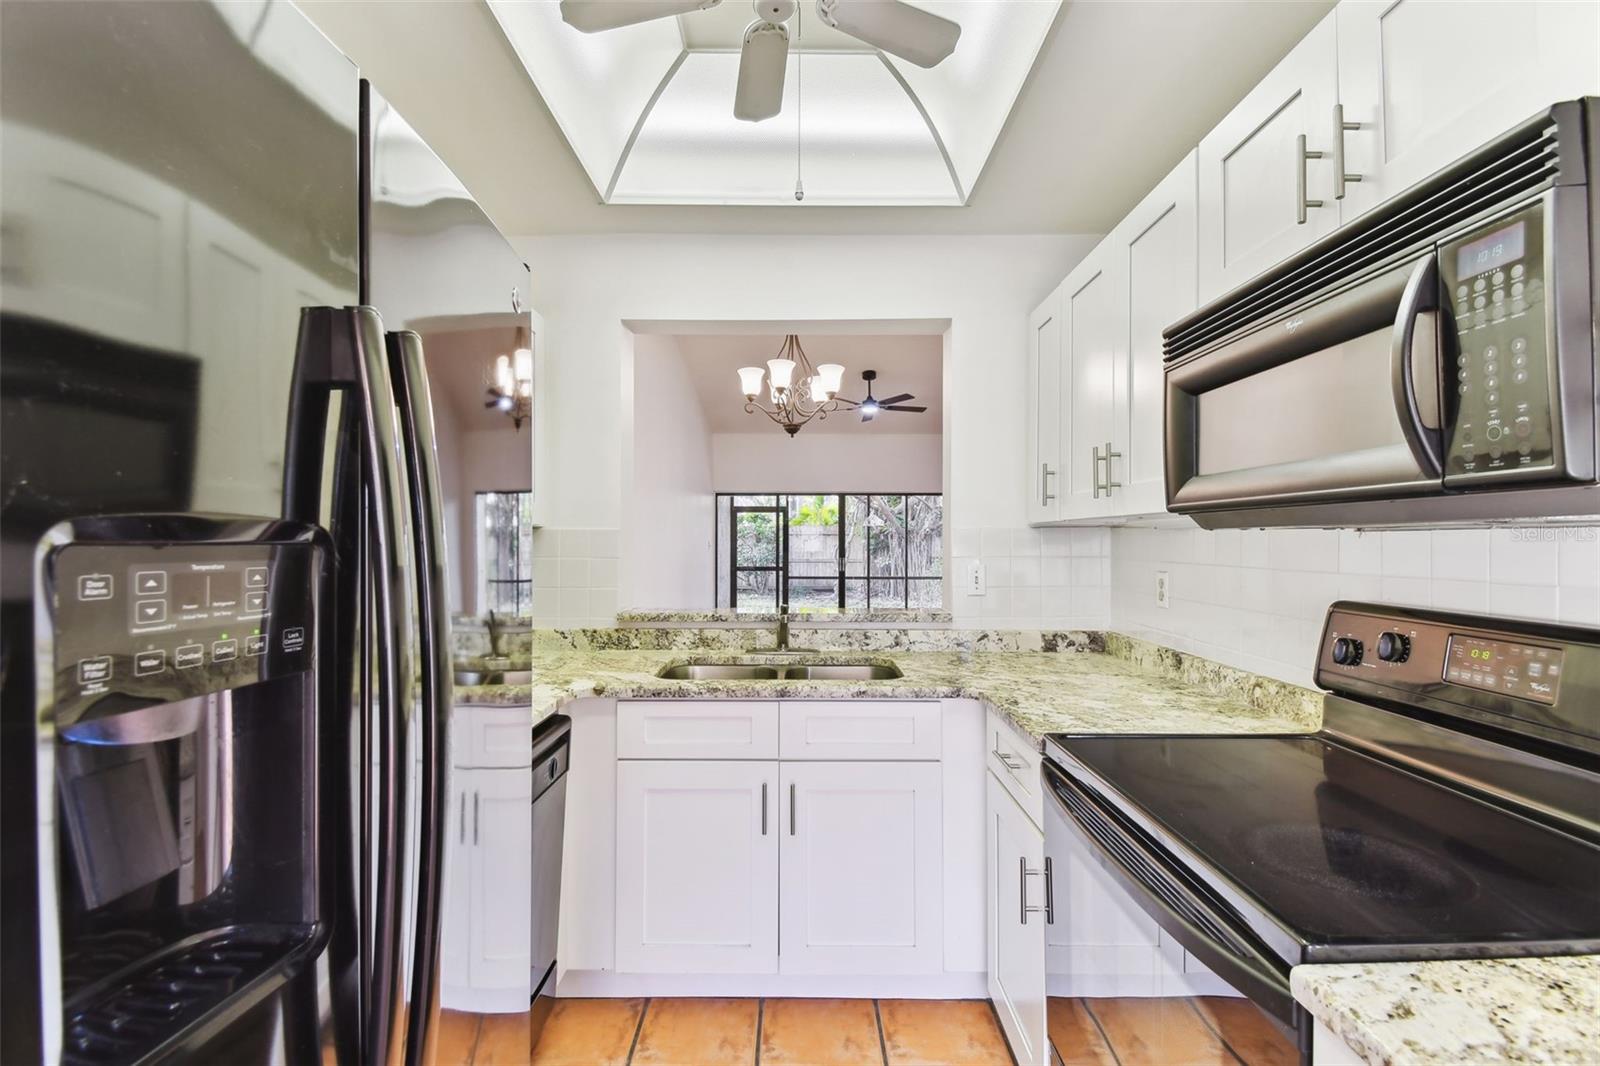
(511, 384)
(797, 392)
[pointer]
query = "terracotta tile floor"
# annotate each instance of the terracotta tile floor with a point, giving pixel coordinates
(1200, 1031)
(736, 1032)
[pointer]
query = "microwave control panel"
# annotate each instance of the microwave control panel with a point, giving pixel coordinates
(1493, 284)
(140, 622)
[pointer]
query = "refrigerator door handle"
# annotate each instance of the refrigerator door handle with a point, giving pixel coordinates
(409, 374)
(342, 350)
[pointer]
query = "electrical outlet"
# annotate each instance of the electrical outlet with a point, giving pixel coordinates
(977, 582)
(1163, 589)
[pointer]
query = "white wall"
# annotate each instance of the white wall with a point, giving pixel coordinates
(985, 286)
(669, 514)
(827, 462)
(1256, 598)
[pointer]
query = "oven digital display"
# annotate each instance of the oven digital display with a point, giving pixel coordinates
(1525, 671)
(1505, 245)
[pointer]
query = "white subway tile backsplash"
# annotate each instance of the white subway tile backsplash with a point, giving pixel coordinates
(1257, 599)
(1054, 571)
(997, 571)
(574, 543)
(967, 542)
(603, 574)
(605, 544)
(1027, 602)
(996, 542)
(575, 577)
(1525, 556)
(574, 573)
(1026, 571)
(1055, 541)
(1026, 541)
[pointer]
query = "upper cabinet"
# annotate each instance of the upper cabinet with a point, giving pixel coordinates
(1266, 178)
(1377, 97)
(1423, 83)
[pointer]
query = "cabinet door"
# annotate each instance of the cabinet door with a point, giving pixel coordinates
(1249, 199)
(697, 867)
(500, 827)
(1088, 380)
(1016, 939)
(863, 877)
(1155, 269)
(455, 952)
(1429, 82)
(1044, 410)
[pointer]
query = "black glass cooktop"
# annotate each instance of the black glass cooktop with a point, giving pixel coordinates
(1343, 849)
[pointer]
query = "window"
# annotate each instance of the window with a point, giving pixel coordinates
(505, 553)
(830, 550)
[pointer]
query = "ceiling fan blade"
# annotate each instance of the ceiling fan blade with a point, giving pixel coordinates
(902, 398)
(762, 63)
(592, 16)
(915, 35)
(903, 407)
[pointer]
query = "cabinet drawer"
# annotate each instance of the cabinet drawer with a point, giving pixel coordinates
(492, 737)
(879, 730)
(697, 729)
(1015, 762)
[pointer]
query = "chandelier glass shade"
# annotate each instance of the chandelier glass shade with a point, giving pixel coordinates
(511, 384)
(796, 391)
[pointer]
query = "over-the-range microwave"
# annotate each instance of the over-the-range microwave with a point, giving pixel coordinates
(1431, 362)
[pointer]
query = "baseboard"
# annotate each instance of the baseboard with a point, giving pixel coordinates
(605, 984)
(484, 1001)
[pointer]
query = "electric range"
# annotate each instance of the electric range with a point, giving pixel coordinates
(1448, 808)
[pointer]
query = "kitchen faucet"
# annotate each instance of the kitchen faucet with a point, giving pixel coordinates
(783, 631)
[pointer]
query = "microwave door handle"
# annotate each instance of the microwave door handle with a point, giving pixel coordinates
(1420, 296)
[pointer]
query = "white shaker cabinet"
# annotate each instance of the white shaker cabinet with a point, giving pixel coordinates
(1088, 384)
(487, 934)
(1264, 193)
(1427, 82)
(1153, 249)
(862, 870)
(697, 867)
(1043, 395)
(1016, 918)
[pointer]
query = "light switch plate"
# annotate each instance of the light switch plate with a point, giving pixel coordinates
(1163, 589)
(977, 582)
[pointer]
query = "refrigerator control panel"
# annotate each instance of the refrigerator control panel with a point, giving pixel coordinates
(168, 622)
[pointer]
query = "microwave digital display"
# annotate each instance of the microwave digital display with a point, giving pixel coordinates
(1505, 245)
(1523, 670)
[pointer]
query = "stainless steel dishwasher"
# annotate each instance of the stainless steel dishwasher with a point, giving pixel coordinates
(551, 748)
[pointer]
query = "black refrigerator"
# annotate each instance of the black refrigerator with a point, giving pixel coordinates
(224, 628)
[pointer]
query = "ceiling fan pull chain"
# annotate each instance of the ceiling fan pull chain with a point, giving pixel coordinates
(800, 98)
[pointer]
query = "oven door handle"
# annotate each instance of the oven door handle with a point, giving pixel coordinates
(1152, 881)
(1421, 295)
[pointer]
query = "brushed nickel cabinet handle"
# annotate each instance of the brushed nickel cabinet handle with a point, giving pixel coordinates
(791, 808)
(1301, 203)
(475, 798)
(463, 816)
(1110, 455)
(763, 808)
(1095, 469)
(1045, 474)
(1340, 128)
(1022, 882)
(1049, 892)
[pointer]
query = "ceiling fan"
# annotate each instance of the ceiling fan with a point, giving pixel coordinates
(892, 26)
(870, 406)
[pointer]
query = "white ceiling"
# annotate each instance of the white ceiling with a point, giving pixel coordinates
(1121, 91)
(648, 108)
(911, 364)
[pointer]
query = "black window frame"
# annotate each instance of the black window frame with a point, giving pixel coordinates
(523, 590)
(844, 578)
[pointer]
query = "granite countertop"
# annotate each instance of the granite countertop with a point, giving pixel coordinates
(797, 618)
(1040, 692)
(1460, 1011)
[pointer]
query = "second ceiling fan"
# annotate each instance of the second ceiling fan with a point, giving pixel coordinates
(892, 26)
(870, 406)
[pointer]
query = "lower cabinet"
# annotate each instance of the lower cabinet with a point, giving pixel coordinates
(488, 923)
(697, 867)
(1017, 914)
(861, 874)
(717, 862)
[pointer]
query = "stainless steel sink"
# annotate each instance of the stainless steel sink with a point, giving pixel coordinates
(842, 672)
(719, 672)
(770, 672)
(494, 677)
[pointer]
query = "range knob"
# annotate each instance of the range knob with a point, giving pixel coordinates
(1394, 647)
(1347, 651)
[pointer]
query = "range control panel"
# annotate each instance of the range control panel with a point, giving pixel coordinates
(1493, 282)
(1541, 674)
(173, 621)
